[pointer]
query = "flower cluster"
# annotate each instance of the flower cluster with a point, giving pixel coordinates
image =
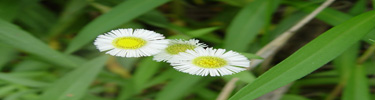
(188, 56)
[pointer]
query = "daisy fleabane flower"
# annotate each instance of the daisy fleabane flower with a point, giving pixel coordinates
(131, 43)
(215, 62)
(176, 46)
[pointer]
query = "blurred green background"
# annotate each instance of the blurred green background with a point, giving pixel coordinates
(47, 51)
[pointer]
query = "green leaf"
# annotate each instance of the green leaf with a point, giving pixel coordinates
(19, 39)
(22, 81)
(146, 69)
(74, 84)
(248, 23)
(357, 87)
(310, 57)
(7, 54)
(331, 16)
(19, 94)
(346, 61)
(162, 77)
(155, 18)
(359, 7)
(178, 87)
(4, 90)
(118, 15)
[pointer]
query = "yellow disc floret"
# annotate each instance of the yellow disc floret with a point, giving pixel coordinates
(177, 48)
(209, 62)
(129, 42)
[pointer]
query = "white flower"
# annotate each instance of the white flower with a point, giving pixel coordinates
(175, 47)
(129, 43)
(215, 62)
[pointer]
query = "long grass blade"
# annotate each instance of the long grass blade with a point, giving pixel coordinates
(248, 23)
(14, 36)
(310, 57)
(74, 85)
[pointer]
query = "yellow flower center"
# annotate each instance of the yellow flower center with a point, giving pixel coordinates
(177, 48)
(209, 62)
(129, 42)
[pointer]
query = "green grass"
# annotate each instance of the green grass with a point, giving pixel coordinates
(47, 51)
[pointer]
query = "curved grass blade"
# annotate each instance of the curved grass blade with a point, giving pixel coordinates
(310, 57)
(14, 36)
(247, 23)
(120, 14)
(73, 86)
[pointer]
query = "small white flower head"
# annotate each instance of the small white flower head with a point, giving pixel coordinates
(131, 43)
(215, 62)
(176, 46)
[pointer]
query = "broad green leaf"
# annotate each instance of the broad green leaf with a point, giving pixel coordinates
(248, 23)
(179, 86)
(21, 80)
(19, 39)
(357, 87)
(74, 84)
(310, 57)
(118, 15)
(145, 70)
